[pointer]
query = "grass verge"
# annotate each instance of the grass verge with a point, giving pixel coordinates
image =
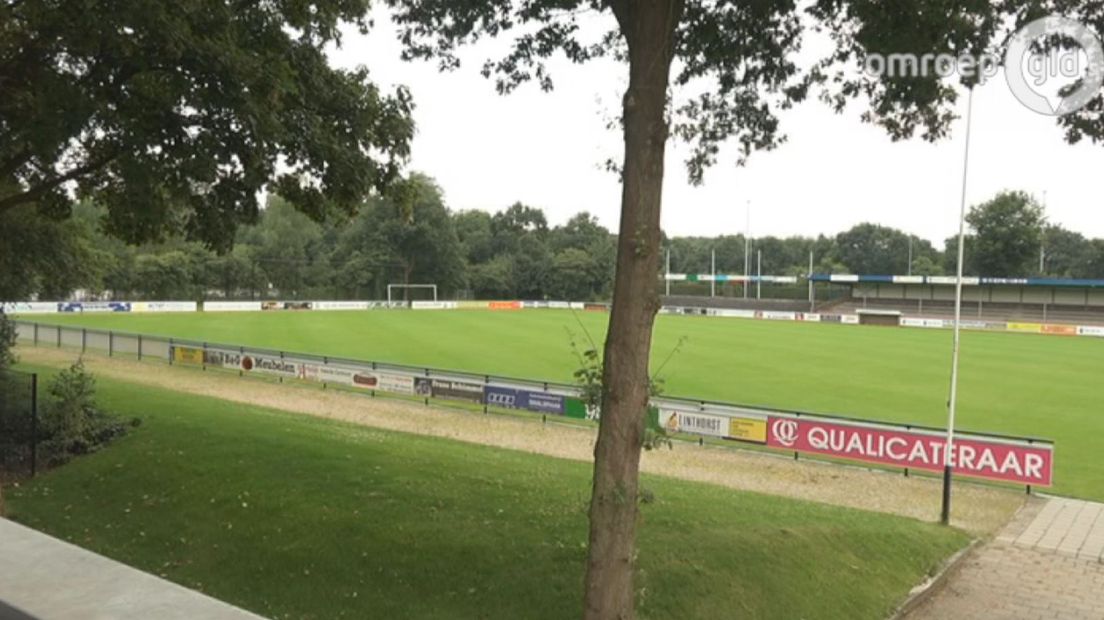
(293, 516)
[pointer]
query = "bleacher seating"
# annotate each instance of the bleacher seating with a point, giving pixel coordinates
(1010, 312)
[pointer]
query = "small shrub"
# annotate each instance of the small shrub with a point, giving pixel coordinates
(72, 424)
(7, 341)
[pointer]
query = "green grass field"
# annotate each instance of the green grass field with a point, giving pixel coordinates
(298, 517)
(1046, 386)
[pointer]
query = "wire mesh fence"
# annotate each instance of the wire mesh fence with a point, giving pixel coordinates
(18, 423)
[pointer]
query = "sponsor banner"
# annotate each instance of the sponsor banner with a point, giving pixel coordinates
(596, 307)
(980, 458)
(693, 422)
(772, 315)
(850, 319)
(324, 373)
(187, 355)
(831, 318)
(272, 305)
(504, 305)
(1060, 330)
(742, 314)
(253, 363)
(433, 305)
(231, 306)
(163, 306)
(450, 389)
(341, 305)
(966, 280)
(908, 279)
(397, 384)
(575, 408)
(559, 305)
(930, 323)
(576, 305)
(1034, 328)
(93, 306)
(748, 429)
(30, 307)
(1016, 281)
(471, 305)
(1090, 330)
(844, 278)
(516, 398)
(270, 365)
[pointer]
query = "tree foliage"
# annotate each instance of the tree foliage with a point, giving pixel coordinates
(1007, 232)
(174, 115)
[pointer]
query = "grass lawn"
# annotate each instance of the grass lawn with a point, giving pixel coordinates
(298, 517)
(1046, 386)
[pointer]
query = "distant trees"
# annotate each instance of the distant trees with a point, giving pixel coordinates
(510, 254)
(1007, 232)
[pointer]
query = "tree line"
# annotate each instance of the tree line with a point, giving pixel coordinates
(513, 253)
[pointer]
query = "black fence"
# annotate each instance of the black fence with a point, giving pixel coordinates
(18, 423)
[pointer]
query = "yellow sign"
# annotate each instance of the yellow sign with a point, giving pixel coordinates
(188, 355)
(748, 429)
(1025, 327)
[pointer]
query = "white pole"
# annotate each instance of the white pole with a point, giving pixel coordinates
(667, 274)
(812, 300)
(1042, 242)
(713, 268)
(759, 277)
(948, 448)
(747, 249)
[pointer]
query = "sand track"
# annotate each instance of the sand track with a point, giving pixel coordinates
(979, 509)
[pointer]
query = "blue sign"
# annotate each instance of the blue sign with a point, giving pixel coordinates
(510, 398)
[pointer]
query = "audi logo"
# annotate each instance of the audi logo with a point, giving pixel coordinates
(785, 432)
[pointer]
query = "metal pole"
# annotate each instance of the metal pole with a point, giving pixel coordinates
(34, 424)
(812, 295)
(747, 249)
(713, 268)
(948, 448)
(1042, 243)
(667, 273)
(759, 276)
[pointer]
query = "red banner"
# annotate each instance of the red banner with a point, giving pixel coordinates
(992, 459)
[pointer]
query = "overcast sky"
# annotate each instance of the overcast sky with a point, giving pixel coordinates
(546, 150)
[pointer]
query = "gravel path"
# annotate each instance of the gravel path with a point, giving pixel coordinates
(979, 509)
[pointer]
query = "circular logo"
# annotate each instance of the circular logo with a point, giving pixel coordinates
(1026, 70)
(785, 432)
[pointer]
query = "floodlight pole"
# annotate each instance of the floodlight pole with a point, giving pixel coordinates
(713, 268)
(812, 298)
(667, 275)
(948, 448)
(747, 250)
(759, 277)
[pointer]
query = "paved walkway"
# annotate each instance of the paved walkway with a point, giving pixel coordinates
(1048, 563)
(43, 578)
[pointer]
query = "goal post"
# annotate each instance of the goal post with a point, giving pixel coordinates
(393, 287)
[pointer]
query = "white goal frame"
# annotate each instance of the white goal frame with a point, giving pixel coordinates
(391, 287)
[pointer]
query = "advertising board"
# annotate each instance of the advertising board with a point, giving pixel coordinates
(529, 400)
(989, 458)
(231, 306)
(1091, 330)
(163, 306)
(30, 307)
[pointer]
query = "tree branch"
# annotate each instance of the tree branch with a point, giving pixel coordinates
(36, 192)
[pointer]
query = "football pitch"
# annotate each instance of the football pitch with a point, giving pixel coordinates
(1042, 386)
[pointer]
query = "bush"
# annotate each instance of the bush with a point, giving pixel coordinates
(71, 423)
(7, 341)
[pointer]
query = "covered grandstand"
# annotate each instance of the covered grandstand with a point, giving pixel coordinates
(1011, 300)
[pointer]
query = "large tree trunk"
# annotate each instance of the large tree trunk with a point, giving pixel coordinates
(648, 27)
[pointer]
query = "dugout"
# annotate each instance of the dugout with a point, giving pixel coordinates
(872, 316)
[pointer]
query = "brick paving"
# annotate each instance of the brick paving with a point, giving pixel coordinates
(1047, 564)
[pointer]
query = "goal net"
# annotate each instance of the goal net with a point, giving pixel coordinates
(411, 292)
